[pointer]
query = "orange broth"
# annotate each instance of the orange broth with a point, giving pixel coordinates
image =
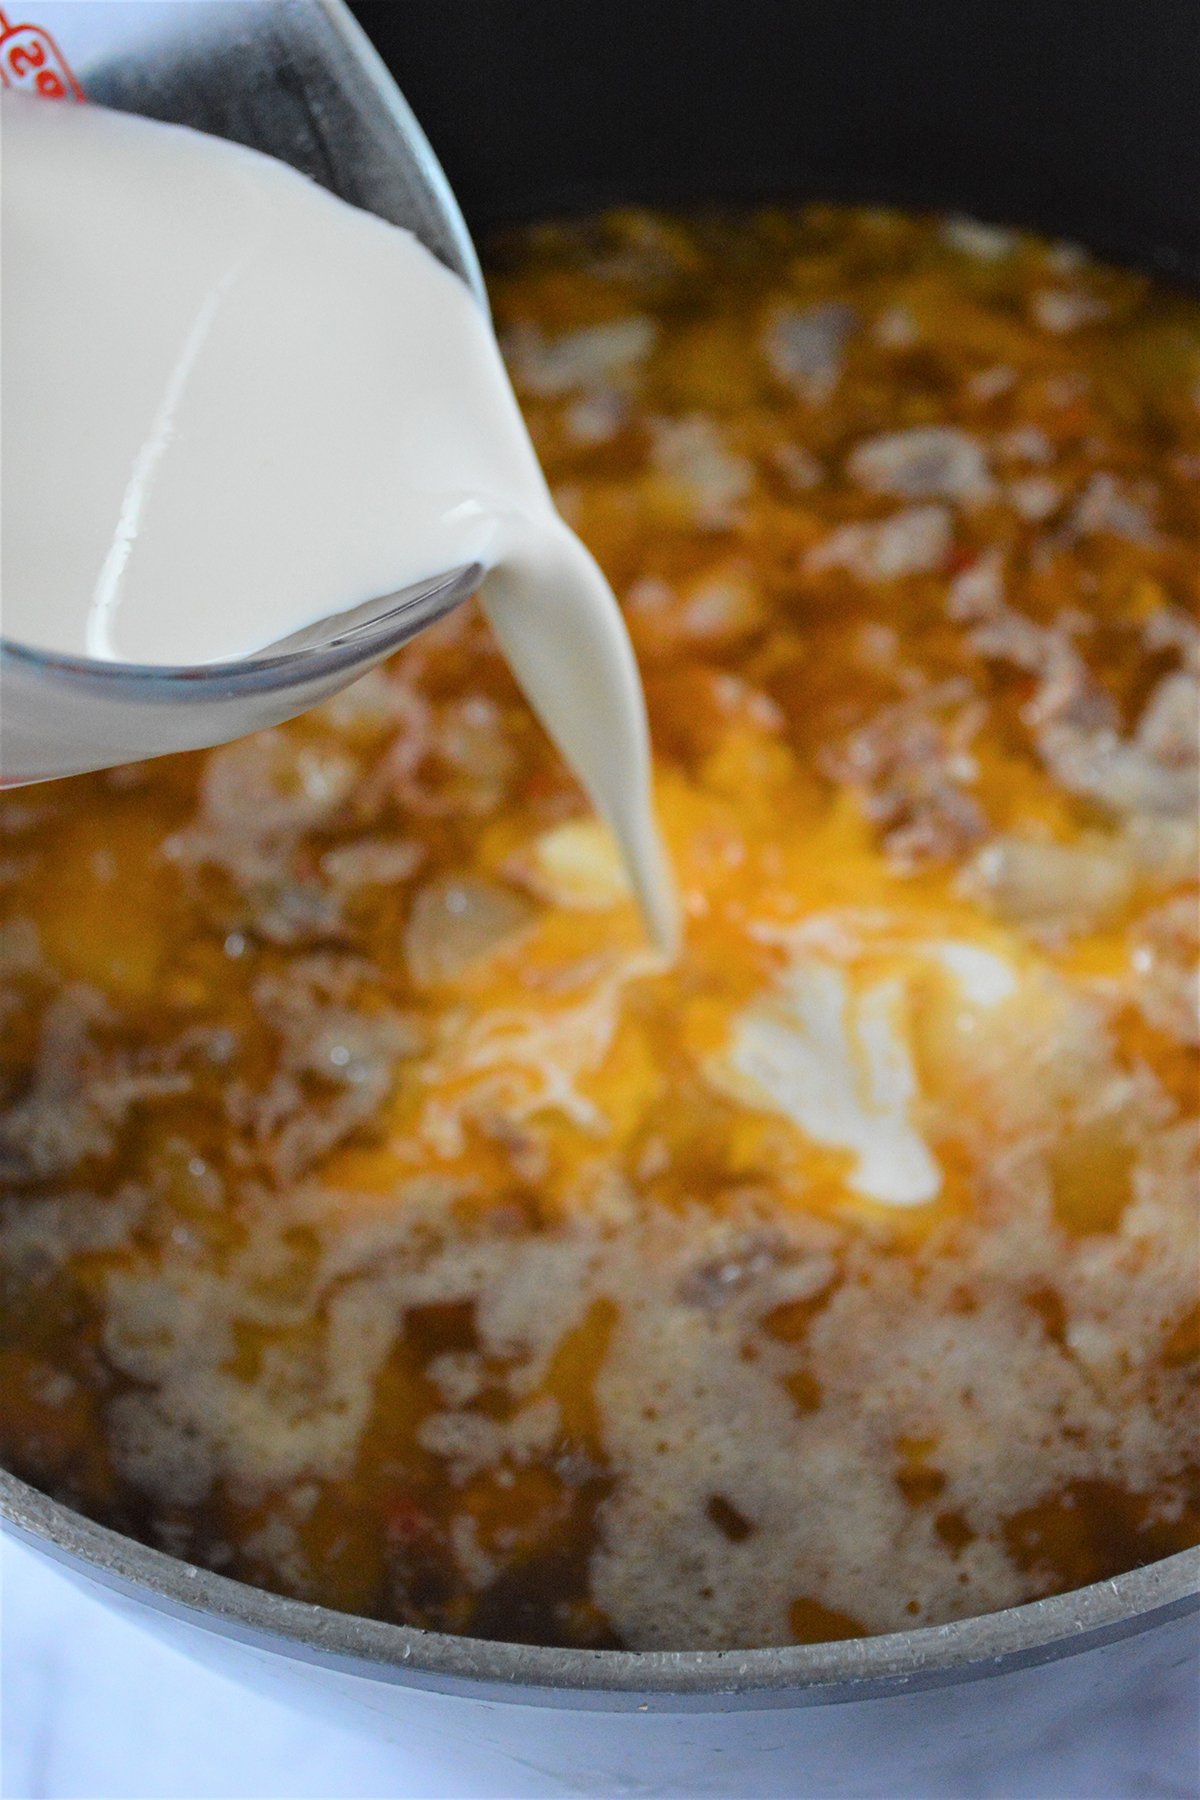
(384, 1224)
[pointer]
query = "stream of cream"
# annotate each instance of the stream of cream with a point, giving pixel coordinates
(234, 406)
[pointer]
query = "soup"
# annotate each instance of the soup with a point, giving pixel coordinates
(387, 1224)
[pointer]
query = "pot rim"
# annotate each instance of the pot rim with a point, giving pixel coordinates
(931, 1655)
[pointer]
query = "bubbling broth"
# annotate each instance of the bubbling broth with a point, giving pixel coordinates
(386, 1224)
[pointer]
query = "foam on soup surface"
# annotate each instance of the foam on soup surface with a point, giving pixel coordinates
(384, 1223)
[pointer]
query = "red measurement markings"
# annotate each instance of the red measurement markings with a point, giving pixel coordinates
(32, 62)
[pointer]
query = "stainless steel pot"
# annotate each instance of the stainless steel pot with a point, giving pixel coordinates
(911, 1714)
(1018, 114)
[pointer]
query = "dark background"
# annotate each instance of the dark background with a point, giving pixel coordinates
(1081, 119)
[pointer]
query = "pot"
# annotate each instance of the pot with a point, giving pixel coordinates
(1018, 116)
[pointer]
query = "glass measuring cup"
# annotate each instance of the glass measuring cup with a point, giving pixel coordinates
(298, 80)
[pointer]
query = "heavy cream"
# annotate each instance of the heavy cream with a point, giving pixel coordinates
(235, 406)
